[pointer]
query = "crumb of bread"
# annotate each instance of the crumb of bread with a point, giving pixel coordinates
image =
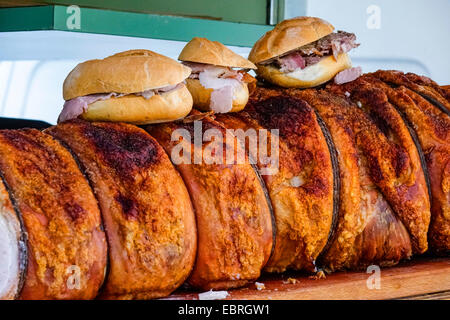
(213, 295)
(260, 286)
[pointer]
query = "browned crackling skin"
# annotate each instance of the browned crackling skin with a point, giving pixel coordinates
(368, 230)
(60, 215)
(146, 209)
(233, 217)
(303, 213)
(419, 84)
(425, 81)
(433, 130)
(395, 162)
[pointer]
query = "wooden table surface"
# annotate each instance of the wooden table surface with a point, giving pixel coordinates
(426, 278)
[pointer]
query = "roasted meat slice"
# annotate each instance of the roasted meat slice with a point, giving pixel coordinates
(13, 250)
(419, 84)
(432, 127)
(66, 244)
(398, 162)
(369, 231)
(301, 190)
(425, 81)
(147, 213)
(234, 220)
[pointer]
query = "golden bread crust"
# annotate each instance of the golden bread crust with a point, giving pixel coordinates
(202, 50)
(289, 35)
(368, 230)
(125, 72)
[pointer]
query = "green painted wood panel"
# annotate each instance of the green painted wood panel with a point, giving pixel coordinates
(26, 18)
(130, 24)
(246, 11)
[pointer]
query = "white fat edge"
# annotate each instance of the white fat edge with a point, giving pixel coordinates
(9, 252)
(216, 82)
(296, 181)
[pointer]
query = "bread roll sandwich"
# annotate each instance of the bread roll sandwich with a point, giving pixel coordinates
(136, 86)
(213, 83)
(304, 52)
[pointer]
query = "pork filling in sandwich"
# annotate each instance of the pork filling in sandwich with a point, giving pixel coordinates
(75, 107)
(225, 83)
(305, 52)
(333, 44)
(219, 81)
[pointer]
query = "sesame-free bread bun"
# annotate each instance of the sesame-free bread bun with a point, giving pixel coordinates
(163, 107)
(125, 72)
(202, 50)
(289, 35)
(311, 76)
(202, 95)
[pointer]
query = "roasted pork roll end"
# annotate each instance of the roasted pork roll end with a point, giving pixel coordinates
(146, 209)
(66, 245)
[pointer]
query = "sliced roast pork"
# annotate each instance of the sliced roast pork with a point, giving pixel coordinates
(66, 244)
(332, 44)
(432, 127)
(397, 162)
(302, 188)
(369, 230)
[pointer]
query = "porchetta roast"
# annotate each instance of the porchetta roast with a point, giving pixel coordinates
(353, 173)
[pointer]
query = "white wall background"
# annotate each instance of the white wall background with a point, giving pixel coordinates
(413, 36)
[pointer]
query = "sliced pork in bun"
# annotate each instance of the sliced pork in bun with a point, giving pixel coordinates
(304, 52)
(136, 86)
(214, 83)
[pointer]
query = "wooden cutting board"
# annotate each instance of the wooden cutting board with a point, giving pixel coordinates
(419, 279)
